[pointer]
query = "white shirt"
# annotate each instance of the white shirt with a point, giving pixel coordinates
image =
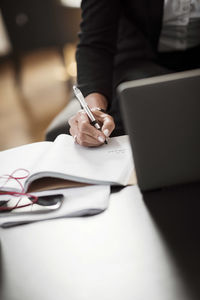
(181, 25)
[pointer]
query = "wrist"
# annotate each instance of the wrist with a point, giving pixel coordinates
(96, 100)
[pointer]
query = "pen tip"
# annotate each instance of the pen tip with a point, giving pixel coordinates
(75, 88)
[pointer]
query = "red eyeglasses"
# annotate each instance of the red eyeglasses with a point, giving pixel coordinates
(19, 195)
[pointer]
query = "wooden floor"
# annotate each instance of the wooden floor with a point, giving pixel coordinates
(27, 108)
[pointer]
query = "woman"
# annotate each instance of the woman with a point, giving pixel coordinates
(123, 40)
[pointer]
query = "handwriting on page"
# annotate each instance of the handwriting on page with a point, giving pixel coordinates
(117, 151)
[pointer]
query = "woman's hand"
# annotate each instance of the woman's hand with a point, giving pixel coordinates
(86, 134)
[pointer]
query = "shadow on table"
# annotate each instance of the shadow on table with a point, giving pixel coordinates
(176, 212)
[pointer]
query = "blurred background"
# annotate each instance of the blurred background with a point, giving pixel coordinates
(37, 66)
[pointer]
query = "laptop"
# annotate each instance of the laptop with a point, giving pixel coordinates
(162, 117)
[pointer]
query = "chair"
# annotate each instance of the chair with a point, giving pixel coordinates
(35, 24)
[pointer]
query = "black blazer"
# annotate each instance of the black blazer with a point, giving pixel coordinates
(114, 33)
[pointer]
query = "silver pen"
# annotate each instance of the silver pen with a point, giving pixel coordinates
(84, 105)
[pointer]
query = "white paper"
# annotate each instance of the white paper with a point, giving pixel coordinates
(110, 163)
(22, 157)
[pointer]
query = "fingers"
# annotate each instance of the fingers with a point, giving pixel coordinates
(107, 122)
(108, 126)
(86, 134)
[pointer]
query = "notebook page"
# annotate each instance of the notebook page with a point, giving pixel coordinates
(22, 157)
(109, 163)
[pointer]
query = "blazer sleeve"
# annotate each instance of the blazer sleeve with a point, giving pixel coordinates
(97, 46)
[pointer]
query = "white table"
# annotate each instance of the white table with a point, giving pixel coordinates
(130, 252)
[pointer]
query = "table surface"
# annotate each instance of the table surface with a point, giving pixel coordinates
(142, 247)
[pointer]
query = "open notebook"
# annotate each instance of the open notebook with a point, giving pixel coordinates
(64, 163)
